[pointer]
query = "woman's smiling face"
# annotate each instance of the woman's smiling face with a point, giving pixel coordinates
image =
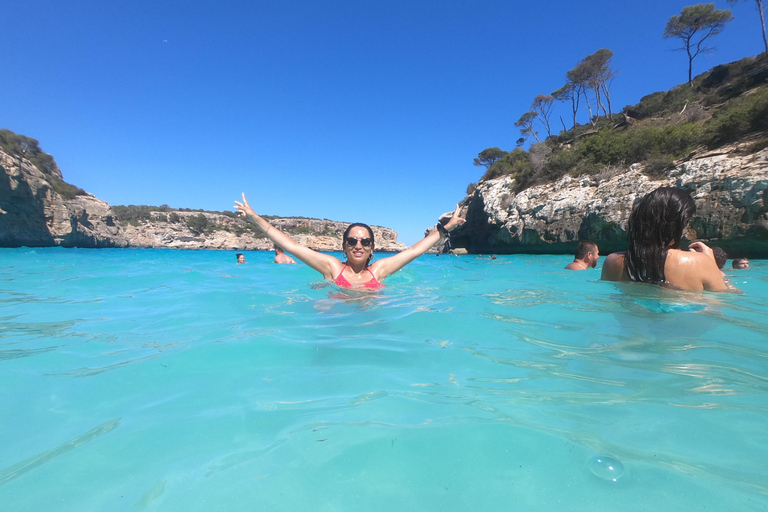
(358, 253)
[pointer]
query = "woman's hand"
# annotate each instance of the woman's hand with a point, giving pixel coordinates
(455, 220)
(244, 209)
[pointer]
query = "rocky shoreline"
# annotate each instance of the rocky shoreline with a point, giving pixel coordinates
(729, 188)
(33, 214)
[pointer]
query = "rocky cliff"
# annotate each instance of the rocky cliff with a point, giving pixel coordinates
(729, 189)
(34, 213)
(231, 233)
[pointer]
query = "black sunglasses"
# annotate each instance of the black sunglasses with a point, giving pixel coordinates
(365, 242)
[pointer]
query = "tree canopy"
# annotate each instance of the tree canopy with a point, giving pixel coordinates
(487, 156)
(525, 123)
(693, 26)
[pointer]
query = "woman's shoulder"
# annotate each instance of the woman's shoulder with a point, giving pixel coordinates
(614, 267)
(693, 270)
(688, 260)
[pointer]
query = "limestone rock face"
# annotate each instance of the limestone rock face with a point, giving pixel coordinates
(177, 235)
(33, 214)
(729, 190)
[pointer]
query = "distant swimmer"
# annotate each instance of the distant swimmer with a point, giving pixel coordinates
(740, 263)
(240, 258)
(281, 257)
(587, 255)
(654, 233)
(357, 245)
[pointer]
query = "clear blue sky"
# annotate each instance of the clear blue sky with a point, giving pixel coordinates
(355, 111)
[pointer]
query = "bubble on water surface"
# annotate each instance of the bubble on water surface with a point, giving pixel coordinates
(606, 468)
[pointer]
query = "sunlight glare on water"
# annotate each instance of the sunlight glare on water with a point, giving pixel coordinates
(177, 380)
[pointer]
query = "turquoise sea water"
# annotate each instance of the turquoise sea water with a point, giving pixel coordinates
(179, 381)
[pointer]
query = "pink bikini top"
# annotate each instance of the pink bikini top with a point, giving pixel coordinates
(342, 281)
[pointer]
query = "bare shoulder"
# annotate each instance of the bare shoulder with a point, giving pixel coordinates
(378, 268)
(691, 270)
(614, 267)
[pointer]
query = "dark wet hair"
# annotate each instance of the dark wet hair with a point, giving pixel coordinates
(584, 248)
(359, 225)
(720, 257)
(655, 226)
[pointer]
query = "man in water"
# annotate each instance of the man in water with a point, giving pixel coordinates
(240, 258)
(741, 263)
(281, 257)
(587, 255)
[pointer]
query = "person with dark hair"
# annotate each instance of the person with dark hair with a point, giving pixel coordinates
(281, 257)
(240, 258)
(358, 245)
(720, 257)
(654, 233)
(740, 263)
(587, 255)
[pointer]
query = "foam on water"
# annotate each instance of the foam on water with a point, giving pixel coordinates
(177, 380)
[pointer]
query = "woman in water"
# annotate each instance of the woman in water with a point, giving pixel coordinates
(357, 245)
(654, 233)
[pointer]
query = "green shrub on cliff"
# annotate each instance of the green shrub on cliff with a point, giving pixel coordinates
(513, 163)
(64, 189)
(139, 213)
(198, 224)
(738, 117)
(28, 148)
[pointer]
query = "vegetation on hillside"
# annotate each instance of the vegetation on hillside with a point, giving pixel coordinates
(29, 148)
(200, 224)
(727, 104)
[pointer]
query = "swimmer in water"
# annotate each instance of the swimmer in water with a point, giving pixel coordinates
(740, 263)
(357, 245)
(587, 254)
(281, 257)
(654, 233)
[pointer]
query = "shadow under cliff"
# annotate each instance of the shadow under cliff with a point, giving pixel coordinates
(23, 222)
(741, 232)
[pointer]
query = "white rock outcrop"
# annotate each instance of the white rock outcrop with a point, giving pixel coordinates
(729, 189)
(33, 214)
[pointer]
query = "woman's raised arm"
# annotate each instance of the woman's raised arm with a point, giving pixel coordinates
(323, 263)
(385, 266)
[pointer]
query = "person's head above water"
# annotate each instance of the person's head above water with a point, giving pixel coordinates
(281, 257)
(656, 225)
(720, 257)
(740, 263)
(358, 242)
(240, 258)
(654, 232)
(587, 254)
